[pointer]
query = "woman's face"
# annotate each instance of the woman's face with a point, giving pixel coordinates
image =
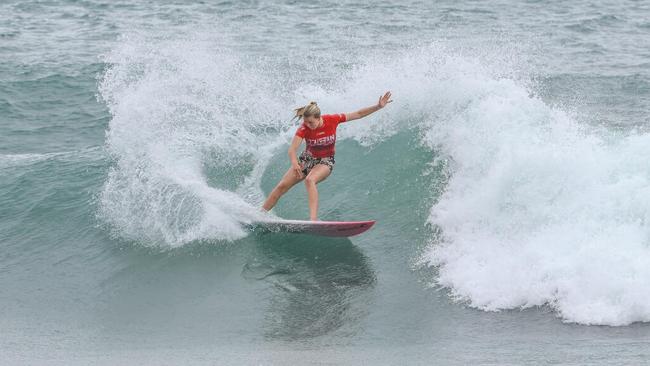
(312, 122)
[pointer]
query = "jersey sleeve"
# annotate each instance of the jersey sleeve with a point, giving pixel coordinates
(336, 118)
(300, 132)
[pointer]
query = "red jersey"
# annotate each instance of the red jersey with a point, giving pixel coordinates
(320, 141)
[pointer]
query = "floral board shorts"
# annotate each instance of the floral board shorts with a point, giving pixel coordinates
(308, 162)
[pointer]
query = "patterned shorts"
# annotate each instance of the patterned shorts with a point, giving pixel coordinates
(308, 162)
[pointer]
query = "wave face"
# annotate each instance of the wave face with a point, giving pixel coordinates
(194, 126)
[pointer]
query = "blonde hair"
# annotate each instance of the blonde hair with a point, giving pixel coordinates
(308, 110)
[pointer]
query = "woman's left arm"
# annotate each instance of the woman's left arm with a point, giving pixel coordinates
(383, 100)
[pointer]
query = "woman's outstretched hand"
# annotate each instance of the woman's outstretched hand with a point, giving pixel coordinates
(384, 100)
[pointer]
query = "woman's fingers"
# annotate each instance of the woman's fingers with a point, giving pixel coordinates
(385, 99)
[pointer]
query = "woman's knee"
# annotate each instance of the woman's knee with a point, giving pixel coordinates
(310, 180)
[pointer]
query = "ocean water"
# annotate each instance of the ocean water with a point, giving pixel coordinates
(509, 179)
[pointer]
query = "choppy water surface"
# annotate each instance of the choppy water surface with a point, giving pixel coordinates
(509, 179)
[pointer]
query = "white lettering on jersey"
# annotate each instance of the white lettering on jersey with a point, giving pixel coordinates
(327, 140)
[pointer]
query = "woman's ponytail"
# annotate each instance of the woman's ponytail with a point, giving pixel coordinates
(310, 109)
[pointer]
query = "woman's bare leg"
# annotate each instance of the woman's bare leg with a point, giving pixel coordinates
(288, 180)
(316, 175)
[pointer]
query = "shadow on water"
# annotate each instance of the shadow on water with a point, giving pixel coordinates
(319, 285)
(271, 286)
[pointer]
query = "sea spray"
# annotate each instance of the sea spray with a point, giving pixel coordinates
(175, 103)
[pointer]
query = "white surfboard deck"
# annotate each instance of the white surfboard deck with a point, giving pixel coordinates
(321, 228)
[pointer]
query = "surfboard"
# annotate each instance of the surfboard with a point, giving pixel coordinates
(321, 228)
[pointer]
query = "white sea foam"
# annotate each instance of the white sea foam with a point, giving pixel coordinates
(539, 209)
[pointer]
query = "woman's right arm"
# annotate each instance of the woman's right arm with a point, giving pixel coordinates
(295, 144)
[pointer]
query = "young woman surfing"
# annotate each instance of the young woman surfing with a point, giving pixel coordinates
(316, 162)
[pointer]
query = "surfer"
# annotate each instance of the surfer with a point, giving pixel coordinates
(316, 162)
